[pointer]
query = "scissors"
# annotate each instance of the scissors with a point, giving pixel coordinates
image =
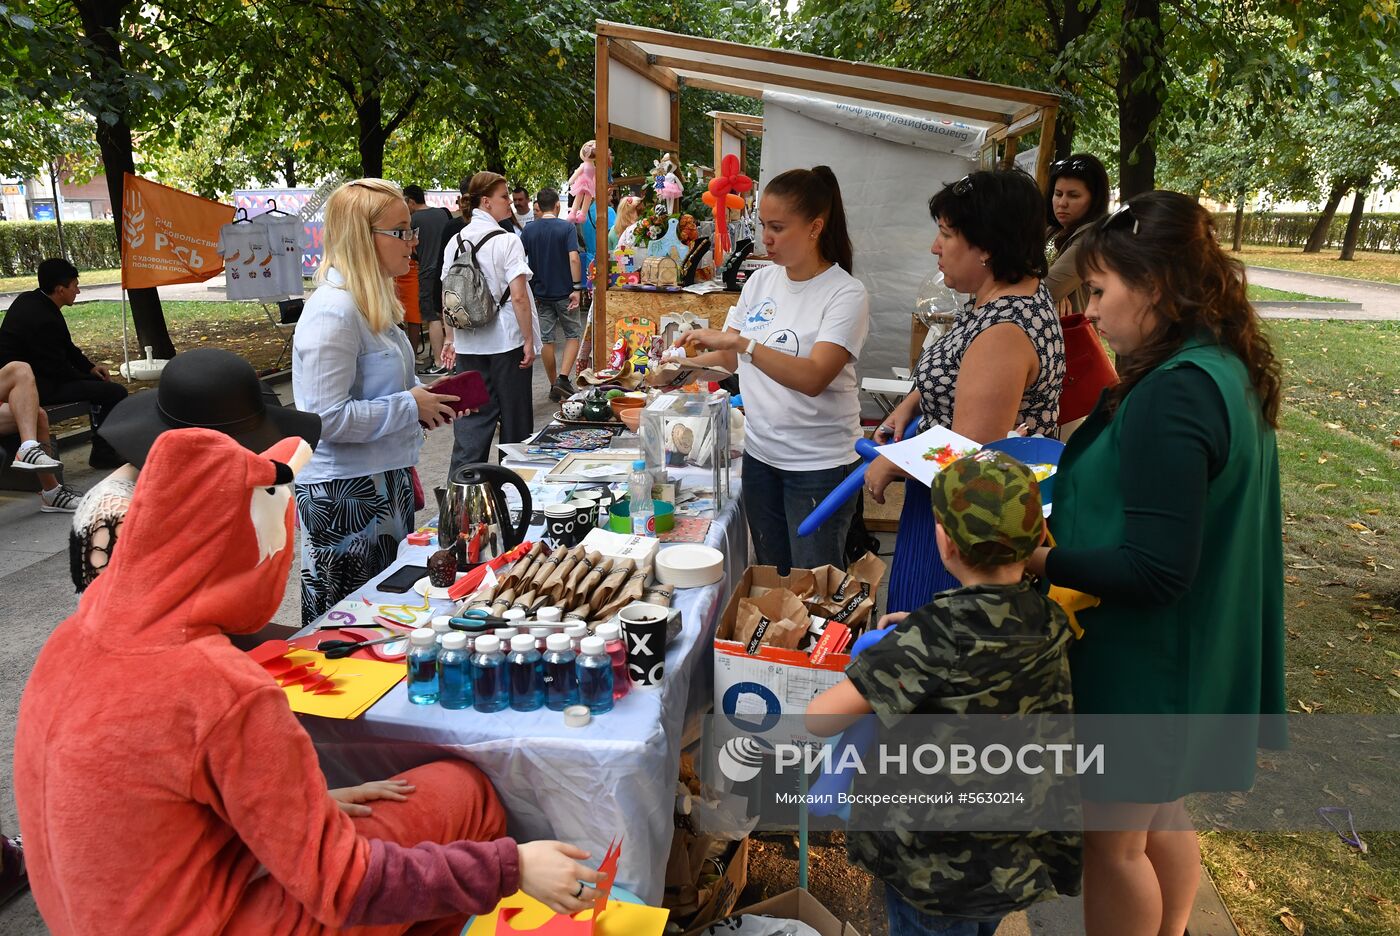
(338, 649)
(476, 619)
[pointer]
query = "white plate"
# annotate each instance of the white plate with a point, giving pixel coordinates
(432, 591)
(688, 565)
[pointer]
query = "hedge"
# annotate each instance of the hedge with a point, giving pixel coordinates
(92, 245)
(1380, 232)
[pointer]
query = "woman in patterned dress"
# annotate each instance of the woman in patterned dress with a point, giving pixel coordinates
(352, 365)
(999, 366)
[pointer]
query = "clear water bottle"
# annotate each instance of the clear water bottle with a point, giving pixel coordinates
(490, 685)
(526, 674)
(422, 667)
(576, 633)
(639, 499)
(595, 676)
(454, 672)
(560, 678)
(617, 652)
(541, 634)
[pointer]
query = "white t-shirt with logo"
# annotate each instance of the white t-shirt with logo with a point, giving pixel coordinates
(785, 428)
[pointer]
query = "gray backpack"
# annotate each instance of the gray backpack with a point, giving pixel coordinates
(467, 301)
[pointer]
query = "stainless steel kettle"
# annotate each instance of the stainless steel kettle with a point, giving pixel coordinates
(473, 519)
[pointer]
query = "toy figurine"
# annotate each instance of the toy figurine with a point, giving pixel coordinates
(667, 183)
(583, 183)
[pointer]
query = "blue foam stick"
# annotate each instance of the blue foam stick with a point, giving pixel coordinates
(842, 492)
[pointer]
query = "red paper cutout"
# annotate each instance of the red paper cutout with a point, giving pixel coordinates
(272, 657)
(561, 925)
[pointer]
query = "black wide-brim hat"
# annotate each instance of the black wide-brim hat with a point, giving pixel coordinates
(206, 388)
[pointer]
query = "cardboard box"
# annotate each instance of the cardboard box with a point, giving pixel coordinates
(797, 904)
(771, 682)
(725, 893)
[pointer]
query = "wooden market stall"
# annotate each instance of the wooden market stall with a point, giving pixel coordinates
(640, 74)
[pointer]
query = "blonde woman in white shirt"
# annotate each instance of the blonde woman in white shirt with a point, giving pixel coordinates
(794, 338)
(353, 366)
(505, 350)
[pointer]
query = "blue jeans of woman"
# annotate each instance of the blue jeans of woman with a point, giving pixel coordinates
(777, 500)
(908, 920)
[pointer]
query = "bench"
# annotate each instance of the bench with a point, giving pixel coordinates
(12, 480)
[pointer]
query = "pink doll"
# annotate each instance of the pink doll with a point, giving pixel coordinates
(667, 183)
(583, 183)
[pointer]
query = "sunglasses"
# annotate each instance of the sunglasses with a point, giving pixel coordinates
(963, 186)
(1120, 218)
(407, 235)
(1075, 164)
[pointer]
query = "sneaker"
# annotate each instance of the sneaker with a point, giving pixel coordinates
(432, 370)
(35, 458)
(62, 499)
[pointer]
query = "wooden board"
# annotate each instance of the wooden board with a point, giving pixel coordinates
(884, 518)
(625, 303)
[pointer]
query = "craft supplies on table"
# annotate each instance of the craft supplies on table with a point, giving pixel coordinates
(341, 689)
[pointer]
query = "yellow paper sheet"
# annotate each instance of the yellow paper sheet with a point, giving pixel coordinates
(361, 683)
(620, 919)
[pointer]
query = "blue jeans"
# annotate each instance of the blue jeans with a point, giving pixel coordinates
(907, 920)
(778, 500)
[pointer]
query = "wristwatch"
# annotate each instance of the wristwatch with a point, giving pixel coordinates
(747, 353)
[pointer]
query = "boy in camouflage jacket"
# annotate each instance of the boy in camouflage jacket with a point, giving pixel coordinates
(996, 646)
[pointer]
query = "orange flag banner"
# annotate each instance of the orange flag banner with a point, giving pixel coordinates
(169, 236)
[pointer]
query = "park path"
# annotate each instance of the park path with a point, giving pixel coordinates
(1379, 301)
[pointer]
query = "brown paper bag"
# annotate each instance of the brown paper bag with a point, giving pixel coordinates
(632, 591)
(617, 577)
(778, 619)
(543, 569)
(660, 595)
(848, 597)
(520, 571)
(581, 570)
(553, 586)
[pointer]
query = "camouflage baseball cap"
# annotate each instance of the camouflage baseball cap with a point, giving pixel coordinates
(989, 505)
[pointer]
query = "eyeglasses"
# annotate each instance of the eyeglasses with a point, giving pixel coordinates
(407, 235)
(963, 186)
(1120, 217)
(1075, 164)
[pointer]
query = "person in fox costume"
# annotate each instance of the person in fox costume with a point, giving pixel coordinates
(164, 785)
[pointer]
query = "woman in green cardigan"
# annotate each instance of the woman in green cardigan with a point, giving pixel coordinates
(1167, 508)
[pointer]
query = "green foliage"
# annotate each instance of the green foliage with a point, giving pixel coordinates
(1379, 232)
(33, 136)
(92, 245)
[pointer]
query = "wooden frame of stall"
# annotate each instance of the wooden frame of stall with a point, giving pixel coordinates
(653, 66)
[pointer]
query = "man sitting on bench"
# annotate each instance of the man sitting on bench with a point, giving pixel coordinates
(33, 331)
(21, 413)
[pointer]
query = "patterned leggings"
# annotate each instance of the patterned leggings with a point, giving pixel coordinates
(350, 532)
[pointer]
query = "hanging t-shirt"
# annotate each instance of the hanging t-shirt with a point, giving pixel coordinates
(248, 258)
(288, 235)
(786, 428)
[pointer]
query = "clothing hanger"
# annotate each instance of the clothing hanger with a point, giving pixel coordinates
(274, 210)
(242, 220)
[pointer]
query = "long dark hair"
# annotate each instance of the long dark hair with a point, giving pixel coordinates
(1087, 169)
(1165, 242)
(814, 193)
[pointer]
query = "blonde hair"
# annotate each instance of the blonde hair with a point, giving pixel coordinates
(628, 210)
(350, 213)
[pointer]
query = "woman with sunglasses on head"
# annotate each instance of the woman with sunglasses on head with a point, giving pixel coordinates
(998, 366)
(794, 338)
(1167, 508)
(1078, 199)
(353, 366)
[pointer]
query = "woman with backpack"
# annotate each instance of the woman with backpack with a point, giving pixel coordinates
(353, 367)
(495, 329)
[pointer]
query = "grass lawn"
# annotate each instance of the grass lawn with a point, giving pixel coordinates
(241, 327)
(85, 278)
(1380, 267)
(1267, 294)
(1339, 451)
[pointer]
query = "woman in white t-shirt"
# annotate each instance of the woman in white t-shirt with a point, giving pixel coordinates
(795, 337)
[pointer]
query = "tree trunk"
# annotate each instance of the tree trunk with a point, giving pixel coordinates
(1358, 209)
(289, 170)
(102, 23)
(1318, 238)
(1239, 224)
(1073, 25)
(491, 148)
(1141, 90)
(57, 210)
(369, 113)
